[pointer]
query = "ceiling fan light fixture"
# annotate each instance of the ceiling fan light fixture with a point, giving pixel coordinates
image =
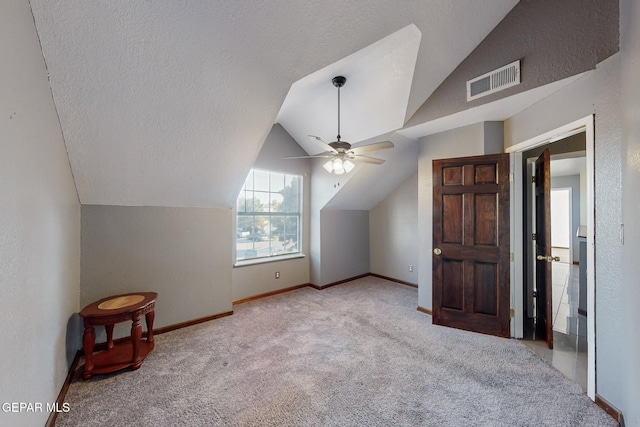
(348, 166)
(338, 166)
(328, 166)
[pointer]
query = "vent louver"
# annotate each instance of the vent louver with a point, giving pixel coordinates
(494, 81)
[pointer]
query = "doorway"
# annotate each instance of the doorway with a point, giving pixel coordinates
(562, 326)
(522, 298)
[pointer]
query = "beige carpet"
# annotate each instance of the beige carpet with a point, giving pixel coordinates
(357, 354)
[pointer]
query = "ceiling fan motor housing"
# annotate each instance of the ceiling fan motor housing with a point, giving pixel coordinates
(340, 146)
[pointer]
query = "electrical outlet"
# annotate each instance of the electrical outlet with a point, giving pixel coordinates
(277, 274)
(410, 267)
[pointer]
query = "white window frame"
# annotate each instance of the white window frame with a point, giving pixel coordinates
(249, 188)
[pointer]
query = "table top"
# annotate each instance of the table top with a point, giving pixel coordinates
(119, 304)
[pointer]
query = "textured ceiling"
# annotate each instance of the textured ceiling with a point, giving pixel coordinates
(499, 110)
(373, 100)
(168, 103)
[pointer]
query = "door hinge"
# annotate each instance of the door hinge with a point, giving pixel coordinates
(512, 313)
(535, 294)
(511, 257)
(533, 179)
(510, 177)
(534, 236)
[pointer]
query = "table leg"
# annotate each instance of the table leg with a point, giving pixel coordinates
(88, 341)
(109, 329)
(136, 336)
(149, 318)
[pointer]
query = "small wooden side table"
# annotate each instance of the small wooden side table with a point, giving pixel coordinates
(108, 312)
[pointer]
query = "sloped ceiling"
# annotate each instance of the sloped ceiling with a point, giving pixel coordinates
(168, 103)
(373, 100)
(371, 184)
(499, 110)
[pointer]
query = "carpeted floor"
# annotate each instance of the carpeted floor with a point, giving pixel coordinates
(357, 354)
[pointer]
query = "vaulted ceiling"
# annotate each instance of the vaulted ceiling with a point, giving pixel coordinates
(168, 103)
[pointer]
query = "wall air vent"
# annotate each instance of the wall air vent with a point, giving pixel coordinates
(494, 81)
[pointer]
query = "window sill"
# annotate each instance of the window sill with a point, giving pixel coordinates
(255, 261)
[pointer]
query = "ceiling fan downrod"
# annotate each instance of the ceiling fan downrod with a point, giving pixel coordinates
(338, 82)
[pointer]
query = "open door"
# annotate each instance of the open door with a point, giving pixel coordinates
(544, 290)
(471, 244)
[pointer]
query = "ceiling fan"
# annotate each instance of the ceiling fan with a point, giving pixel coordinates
(340, 153)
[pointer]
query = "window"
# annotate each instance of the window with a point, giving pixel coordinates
(269, 220)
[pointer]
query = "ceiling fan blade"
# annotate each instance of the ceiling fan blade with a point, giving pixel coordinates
(365, 159)
(323, 144)
(371, 147)
(320, 156)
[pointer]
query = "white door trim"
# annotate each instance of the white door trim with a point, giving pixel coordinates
(516, 284)
(586, 125)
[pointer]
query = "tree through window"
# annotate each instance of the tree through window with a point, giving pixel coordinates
(269, 220)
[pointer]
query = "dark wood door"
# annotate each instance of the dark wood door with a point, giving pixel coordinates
(471, 244)
(544, 319)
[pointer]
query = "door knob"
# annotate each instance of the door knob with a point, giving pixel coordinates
(437, 251)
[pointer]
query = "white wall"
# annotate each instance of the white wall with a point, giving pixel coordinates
(629, 340)
(611, 329)
(560, 221)
(39, 227)
(257, 279)
(345, 245)
(572, 182)
(393, 233)
(570, 103)
(467, 141)
(598, 92)
(183, 254)
(324, 187)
